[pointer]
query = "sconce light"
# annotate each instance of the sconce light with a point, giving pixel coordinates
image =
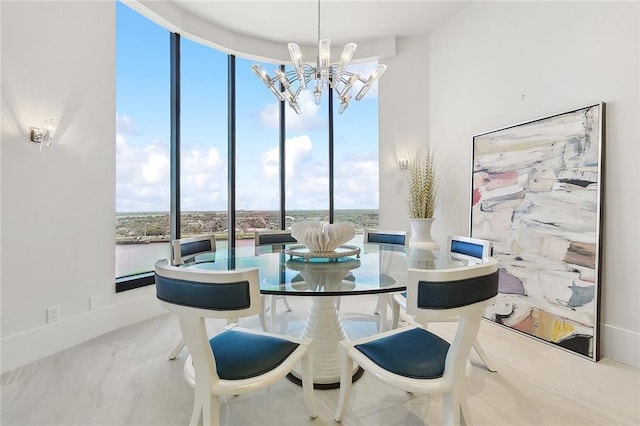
(44, 135)
(403, 164)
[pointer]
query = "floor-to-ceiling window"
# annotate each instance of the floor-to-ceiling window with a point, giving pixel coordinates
(142, 143)
(203, 140)
(355, 157)
(257, 153)
(307, 160)
(270, 153)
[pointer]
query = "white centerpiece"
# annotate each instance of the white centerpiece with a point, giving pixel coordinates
(320, 237)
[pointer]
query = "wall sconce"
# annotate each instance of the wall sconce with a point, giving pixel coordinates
(44, 135)
(403, 164)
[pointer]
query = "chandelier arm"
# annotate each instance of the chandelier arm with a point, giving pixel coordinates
(324, 74)
(291, 73)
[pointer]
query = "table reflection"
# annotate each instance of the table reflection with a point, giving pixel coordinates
(323, 276)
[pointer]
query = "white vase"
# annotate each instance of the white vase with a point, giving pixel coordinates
(421, 234)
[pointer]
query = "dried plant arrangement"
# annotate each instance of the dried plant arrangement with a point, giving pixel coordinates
(423, 186)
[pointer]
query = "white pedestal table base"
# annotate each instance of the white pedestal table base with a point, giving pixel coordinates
(324, 327)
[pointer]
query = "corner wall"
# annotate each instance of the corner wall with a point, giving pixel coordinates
(58, 59)
(403, 102)
(494, 64)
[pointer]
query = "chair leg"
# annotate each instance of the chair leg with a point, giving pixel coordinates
(346, 371)
(338, 299)
(263, 322)
(307, 384)
(197, 411)
(376, 311)
(451, 405)
(465, 418)
(483, 356)
(177, 349)
(211, 411)
(286, 303)
(201, 404)
(274, 327)
(395, 313)
(383, 301)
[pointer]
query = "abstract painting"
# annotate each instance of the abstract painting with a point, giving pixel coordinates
(537, 195)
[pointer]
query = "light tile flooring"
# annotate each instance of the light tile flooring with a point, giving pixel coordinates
(124, 378)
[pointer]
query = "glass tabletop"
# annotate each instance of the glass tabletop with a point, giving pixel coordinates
(377, 269)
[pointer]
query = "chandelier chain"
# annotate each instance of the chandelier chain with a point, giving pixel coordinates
(318, 21)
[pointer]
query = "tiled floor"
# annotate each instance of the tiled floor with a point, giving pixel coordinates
(124, 378)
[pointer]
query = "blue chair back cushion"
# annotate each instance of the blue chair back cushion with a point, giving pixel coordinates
(187, 249)
(464, 247)
(241, 355)
(374, 237)
(416, 353)
(217, 297)
(453, 294)
(268, 239)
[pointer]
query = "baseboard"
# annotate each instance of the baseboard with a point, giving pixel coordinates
(620, 345)
(29, 346)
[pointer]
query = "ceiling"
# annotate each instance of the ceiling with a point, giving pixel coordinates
(341, 20)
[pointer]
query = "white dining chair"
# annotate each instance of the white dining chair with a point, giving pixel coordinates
(416, 360)
(273, 241)
(188, 249)
(191, 250)
(388, 238)
(236, 360)
(473, 250)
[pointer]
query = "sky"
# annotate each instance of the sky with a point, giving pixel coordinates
(143, 132)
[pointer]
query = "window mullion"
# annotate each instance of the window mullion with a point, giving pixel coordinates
(331, 206)
(174, 209)
(231, 147)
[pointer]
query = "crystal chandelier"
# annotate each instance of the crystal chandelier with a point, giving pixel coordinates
(324, 74)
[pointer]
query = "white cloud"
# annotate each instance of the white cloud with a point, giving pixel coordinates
(270, 115)
(299, 151)
(142, 176)
(204, 179)
(125, 124)
(270, 163)
(309, 119)
(155, 168)
(356, 182)
(356, 176)
(143, 173)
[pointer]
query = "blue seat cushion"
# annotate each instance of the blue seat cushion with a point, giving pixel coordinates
(241, 355)
(415, 353)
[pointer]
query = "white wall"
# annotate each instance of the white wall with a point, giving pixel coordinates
(560, 56)
(58, 59)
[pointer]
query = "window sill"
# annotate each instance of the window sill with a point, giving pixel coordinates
(135, 281)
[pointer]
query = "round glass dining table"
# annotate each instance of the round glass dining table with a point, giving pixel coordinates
(377, 269)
